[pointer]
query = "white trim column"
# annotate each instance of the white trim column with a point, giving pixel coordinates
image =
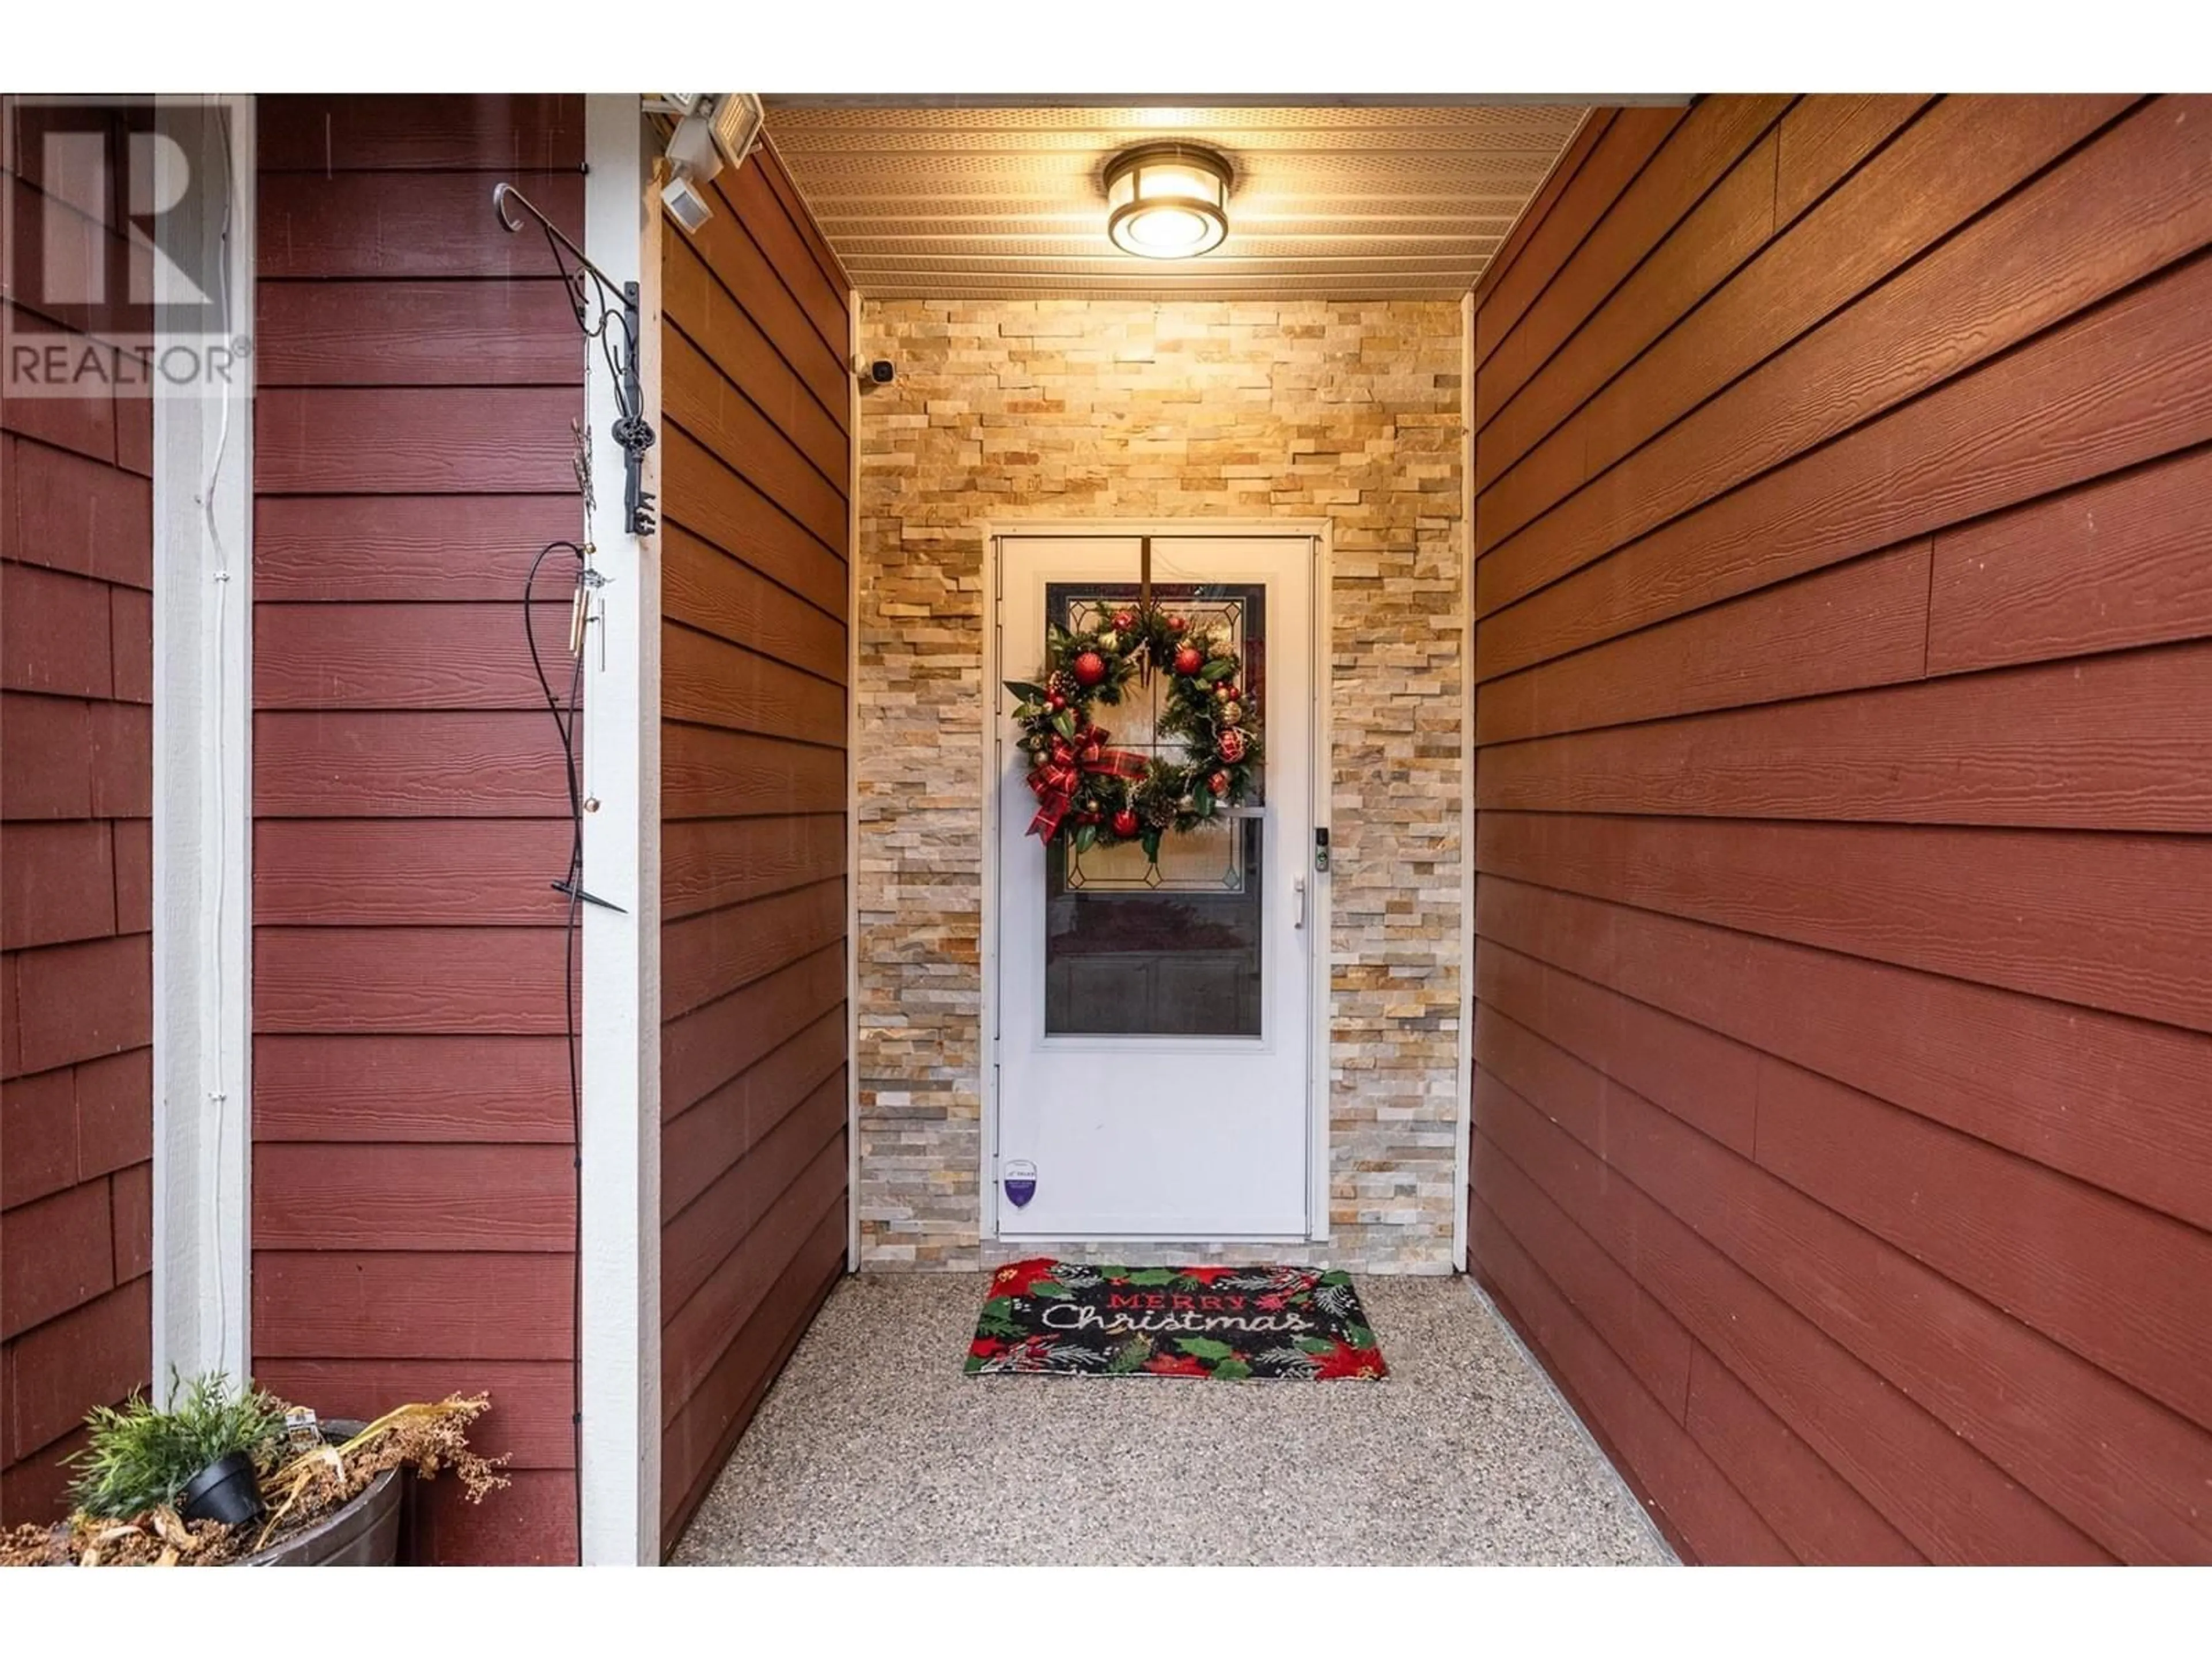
(619, 1483)
(852, 789)
(203, 738)
(1463, 1132)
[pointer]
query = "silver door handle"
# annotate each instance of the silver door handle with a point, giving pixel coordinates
(1299, 887)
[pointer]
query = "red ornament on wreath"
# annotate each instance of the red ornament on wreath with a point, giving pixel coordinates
(1220, 783)
(1189, 660)
(1125, 824)
(1232, 746)
(1089, 669)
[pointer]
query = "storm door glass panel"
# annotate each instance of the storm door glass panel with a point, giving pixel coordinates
(1171, 950)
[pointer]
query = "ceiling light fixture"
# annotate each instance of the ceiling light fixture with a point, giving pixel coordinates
(1167, 202)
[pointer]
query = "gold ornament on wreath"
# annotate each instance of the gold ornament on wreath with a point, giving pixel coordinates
(1092, 794)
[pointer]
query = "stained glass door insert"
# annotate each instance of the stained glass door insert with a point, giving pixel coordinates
(1172, 949)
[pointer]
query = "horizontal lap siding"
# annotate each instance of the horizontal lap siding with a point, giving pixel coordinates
(1844, 822)
(76, 908)
(755, 547)
(419, 370)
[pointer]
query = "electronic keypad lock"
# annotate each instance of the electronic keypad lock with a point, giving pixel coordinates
(1321, 849)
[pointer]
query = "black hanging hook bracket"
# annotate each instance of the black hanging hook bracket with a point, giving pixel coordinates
(600, 304)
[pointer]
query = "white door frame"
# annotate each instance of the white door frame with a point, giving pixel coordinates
(1318, 531)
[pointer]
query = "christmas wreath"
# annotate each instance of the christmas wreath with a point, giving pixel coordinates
(1094, 795)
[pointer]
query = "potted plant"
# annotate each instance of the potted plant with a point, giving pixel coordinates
(197, 1456)
(223, 1477)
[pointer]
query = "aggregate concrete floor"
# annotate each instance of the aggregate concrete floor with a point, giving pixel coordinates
(874, 1449)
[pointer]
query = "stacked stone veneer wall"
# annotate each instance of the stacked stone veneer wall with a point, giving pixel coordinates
(1099, 410)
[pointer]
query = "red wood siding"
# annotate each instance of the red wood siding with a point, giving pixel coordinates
(754, 548)
(76, 649)
(1844, 714)
(413, 1194)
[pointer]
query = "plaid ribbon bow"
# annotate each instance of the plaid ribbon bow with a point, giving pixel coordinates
(1055, 778)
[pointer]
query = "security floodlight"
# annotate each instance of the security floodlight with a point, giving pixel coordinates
(714, 128)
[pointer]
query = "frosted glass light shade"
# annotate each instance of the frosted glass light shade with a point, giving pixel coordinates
(1167, 202)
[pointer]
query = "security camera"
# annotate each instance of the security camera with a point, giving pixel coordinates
(880, 371)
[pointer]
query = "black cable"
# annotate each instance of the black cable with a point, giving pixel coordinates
(566, 725)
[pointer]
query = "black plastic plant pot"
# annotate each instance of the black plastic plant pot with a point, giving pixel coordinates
(226, 1490)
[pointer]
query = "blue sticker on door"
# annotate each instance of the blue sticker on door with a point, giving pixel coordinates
(1019, 1181)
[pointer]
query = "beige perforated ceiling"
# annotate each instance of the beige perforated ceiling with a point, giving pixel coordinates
(1367, 202)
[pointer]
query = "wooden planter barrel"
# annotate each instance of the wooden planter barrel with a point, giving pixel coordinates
(363, 1532)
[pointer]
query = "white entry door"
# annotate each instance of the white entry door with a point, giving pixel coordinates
(1153, 1021)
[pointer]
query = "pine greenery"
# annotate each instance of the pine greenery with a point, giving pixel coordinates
(140, 1458)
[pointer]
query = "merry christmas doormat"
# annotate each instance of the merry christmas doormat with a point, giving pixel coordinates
(1227, 1322)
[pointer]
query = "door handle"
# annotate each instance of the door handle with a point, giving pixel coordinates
(1299, 887)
